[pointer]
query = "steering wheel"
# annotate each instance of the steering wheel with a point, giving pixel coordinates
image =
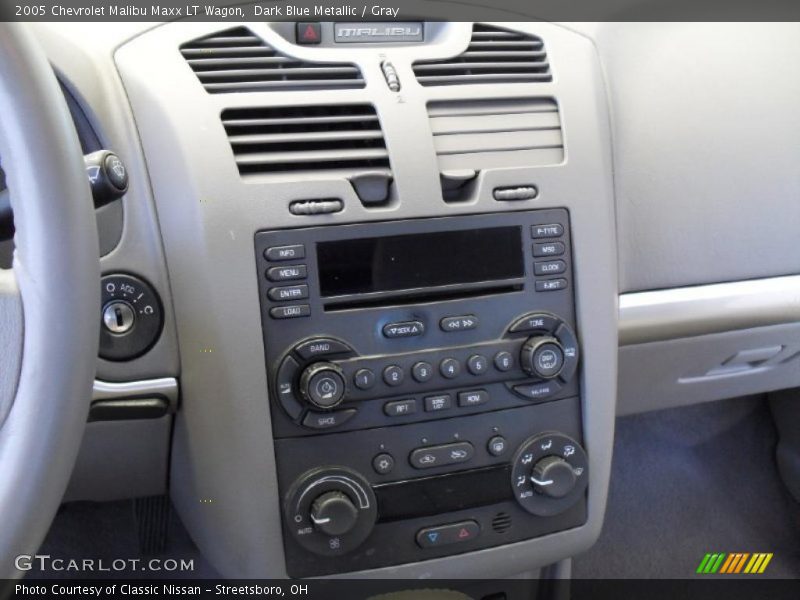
(49, 300)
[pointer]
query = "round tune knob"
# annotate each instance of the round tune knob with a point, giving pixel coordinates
(553, 476)
(542, 357)
(333, 513)
(322, 384)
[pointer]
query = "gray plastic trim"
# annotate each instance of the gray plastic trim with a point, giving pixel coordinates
(165, 387)
(692, 311)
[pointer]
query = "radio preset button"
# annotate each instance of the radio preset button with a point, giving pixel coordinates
(477, 364)
(321, 347)
(383, 463)
(449, 368)
(472, 398)
(400, 408)
(461, 323)
(503, 361)
(327, 420)
(551, 285)
(548, 249)
(393, 375)
(404, 329)
(422, 371)
(287, 273)
(289, 292)
(439, 456)
(552, 230)
(290, 312)
(443, 535)
(438, 402)
(277, 253)
(364, 379)
(549, 267)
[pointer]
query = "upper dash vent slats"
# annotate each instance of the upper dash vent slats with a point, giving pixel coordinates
(494, 55)
(236, 60)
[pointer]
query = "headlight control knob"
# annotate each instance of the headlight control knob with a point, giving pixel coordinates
(322, 384)
(542, 357)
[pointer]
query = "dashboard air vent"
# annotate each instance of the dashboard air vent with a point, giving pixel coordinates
(344, 139)
(494, 55)
(491, 134)
(237, 60)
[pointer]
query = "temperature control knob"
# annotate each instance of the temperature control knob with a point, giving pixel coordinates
(322, 384)
(549, 474)
(333, 513)
(542, 357)
(553, 476)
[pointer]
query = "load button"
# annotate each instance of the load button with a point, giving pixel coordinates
(453, 533)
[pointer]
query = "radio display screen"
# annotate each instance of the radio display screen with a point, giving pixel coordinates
(419, 260)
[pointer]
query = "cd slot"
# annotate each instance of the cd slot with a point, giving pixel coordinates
(420, 297)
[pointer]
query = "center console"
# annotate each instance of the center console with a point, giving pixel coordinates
(395, 289)
(424, 395)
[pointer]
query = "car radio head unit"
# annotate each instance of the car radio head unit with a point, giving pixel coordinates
(423, 386)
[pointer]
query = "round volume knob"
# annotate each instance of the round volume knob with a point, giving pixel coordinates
(553, 476)
(322, 384)
(542, 357)
(333, 513)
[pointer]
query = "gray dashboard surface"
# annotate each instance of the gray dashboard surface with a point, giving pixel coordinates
(706, 150)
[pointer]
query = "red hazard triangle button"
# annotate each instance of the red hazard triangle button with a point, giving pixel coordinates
(309, 33)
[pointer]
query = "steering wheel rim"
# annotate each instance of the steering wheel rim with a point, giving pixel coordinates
(57, 273)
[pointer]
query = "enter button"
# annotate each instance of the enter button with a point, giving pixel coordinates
(454, 533)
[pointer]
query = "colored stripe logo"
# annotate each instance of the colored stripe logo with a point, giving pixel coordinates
(734, 563)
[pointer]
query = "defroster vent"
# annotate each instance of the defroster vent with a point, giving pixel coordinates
(237, 60)
(341, 140)
(494, 55)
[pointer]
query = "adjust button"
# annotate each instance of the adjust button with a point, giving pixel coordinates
(538, 391)
(551, 285)
(462, 323)
(549, 267)
(454, 533)
(289, 292)
(439, 456)
(319, 420)
(400, 408)
(277, 253)
(548, 249)
(404, 329)
(290, 312)
(287, 273)
(321, 347)
(473, 398)
(552, 230)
